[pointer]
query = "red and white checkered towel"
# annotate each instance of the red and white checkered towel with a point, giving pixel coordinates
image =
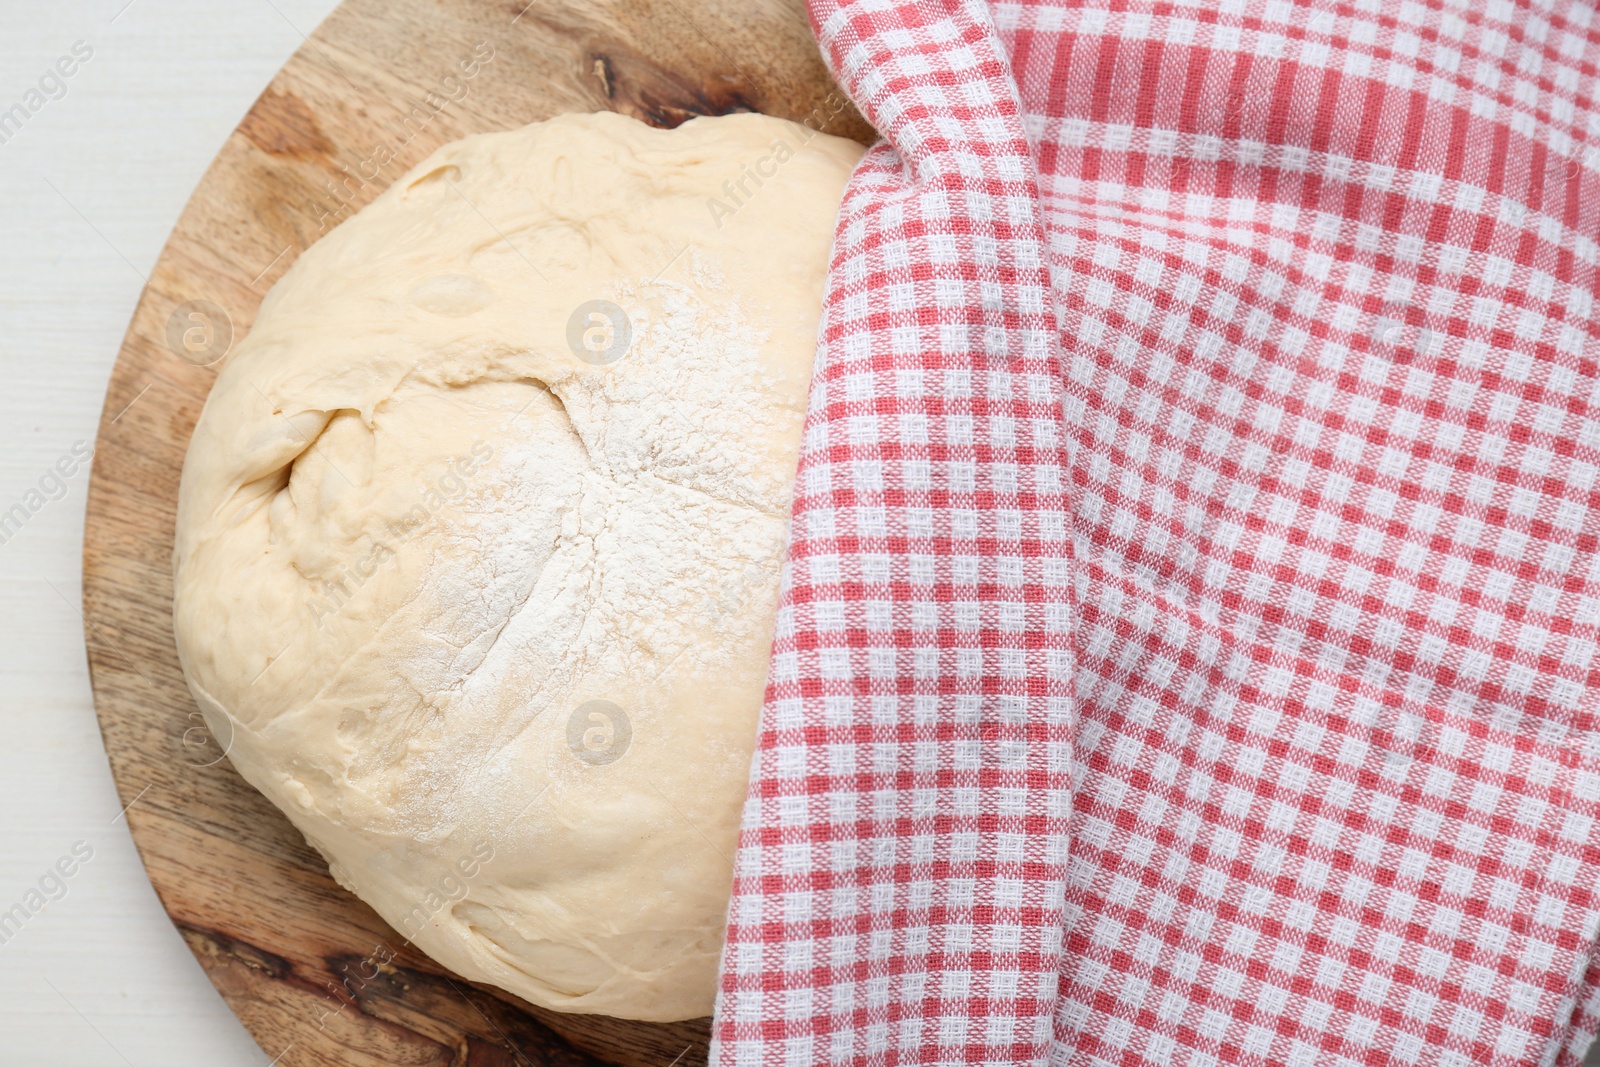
(1187, 649)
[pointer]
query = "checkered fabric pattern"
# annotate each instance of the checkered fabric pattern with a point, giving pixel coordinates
(900, 874)
(1329, 398)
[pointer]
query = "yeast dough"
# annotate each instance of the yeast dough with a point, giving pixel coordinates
(479, 538)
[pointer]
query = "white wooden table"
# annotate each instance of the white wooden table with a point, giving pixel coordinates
(90, 184)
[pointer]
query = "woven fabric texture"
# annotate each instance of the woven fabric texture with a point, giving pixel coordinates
(1187, 646)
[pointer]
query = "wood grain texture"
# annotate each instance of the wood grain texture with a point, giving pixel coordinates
(314, 974)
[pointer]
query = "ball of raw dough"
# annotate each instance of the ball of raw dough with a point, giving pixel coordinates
(479, 538)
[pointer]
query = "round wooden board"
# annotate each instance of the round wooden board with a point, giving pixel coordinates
(314, 974)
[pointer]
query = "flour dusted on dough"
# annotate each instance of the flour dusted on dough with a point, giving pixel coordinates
(483, 594)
